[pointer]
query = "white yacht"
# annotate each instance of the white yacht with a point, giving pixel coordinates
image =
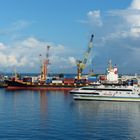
(107, 93)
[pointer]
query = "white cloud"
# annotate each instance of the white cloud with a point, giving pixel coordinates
(3, 59)
(135, 31)
(61, 57)
(72, 61)
(24, 54)
(15, 27)
(118, 36)
(31, 42)
(12, 60)
(20, 24)
(129, 19)
(2, 46)
(24, 61)
(134, 18)
(135, 4)
(93, 18)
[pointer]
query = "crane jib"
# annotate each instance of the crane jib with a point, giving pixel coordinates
(81, 64)
(91, 38)
(88, 50)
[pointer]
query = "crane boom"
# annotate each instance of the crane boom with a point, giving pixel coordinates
(81, 64)
(88, 50)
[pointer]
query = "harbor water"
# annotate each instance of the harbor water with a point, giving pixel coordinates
(54, 115)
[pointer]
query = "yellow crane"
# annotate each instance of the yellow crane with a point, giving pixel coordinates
(81, 64)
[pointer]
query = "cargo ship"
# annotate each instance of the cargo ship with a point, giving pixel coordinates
(65, 84)
(59, 82)
(43, 83)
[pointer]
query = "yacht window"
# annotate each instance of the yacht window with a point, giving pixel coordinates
(95, 93)
(87, 88)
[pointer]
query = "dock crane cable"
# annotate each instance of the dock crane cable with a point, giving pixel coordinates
(81, 64)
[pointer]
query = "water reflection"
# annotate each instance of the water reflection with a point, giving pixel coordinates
(111, 118)
(43, 101)
(99, 106)
(54, 114)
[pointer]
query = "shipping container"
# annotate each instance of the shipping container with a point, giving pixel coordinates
(27, 79)
(48, 81)
(102, 77)
(135, 81)
(34, 79)
(57, 81)
(68, 80)
(81, 81)
(93, 79)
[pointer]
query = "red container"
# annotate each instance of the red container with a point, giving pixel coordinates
(68, 81)
(103, 77)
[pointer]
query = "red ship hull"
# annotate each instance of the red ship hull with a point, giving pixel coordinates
(19, 85)
(38, 88)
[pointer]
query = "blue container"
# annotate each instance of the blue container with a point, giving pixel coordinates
(135, 81)
(48, 81)
(93, 79)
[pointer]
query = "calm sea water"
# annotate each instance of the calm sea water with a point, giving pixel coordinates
(54, 115)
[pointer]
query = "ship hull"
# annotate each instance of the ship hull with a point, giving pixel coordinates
(17, 85)
(107, 93)
(103, 98)
(38, 88)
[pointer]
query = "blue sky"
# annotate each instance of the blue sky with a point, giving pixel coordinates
(27, 26)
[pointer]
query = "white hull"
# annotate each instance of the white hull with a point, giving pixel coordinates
(102, 93)
(103, 98)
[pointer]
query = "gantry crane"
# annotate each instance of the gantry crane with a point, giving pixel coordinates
(81, 64)
(44, 66)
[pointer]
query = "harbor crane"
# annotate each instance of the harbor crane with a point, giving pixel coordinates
(44, 66)
(81, 64)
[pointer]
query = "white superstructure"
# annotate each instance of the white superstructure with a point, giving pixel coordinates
(112, 73)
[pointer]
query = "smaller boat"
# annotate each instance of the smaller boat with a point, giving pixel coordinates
(107, 93)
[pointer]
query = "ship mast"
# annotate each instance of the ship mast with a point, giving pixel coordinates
(110, 65)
